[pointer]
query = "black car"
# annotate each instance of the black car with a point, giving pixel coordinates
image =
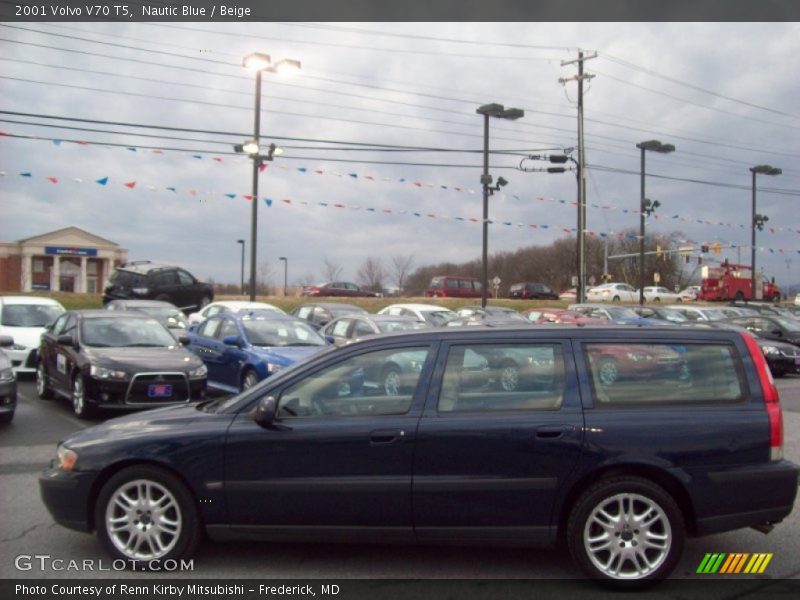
(8, 382)
(491, 313)
(116, 360)
(320, 314)
(526, 290)
(355, 326)
(146, 280)
(169, 315)
(772, 327)
(622, 471)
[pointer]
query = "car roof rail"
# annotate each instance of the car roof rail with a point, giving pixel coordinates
(136, 262)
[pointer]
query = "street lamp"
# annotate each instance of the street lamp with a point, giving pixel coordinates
(259, 62)
(500, 112)
(757, 221)
(242, 278)
(285, 272)
(645, 208)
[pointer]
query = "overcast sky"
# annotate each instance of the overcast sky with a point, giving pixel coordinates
(725, 94)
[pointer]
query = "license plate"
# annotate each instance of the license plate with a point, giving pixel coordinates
(159, 390)
(797, 360)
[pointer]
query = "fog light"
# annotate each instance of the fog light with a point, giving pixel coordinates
(104, 397)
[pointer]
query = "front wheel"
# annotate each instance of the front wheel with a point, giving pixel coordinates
(144, 513)
(249, 380)
(608, 370)
(627, 532)
(616, 299)
(42, 387)
(80, 405)
(392, 383)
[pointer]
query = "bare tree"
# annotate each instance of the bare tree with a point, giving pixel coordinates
(371, 274)
(401, 267)
(330, 269)
(263, 282)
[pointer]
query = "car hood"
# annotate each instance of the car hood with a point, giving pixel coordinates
(24, 336)
(164, 424)
(144, 359)
(287, 355)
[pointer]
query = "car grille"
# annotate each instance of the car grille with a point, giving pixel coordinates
(140, 386)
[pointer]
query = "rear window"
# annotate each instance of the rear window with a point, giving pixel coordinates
(646, 374)
(127, 279)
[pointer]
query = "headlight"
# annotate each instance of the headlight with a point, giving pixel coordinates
(104, 373)
(770, 350)
(66, 458)
(635, 356)
(199, 372)
(140, 290)
(6, 375)
(273, 368)
(18, 347)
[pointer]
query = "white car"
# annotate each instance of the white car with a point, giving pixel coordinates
(612, 292)
(231, 306)
(429, 313)
(689, 294)
(797, 300)
(655, 293)
(700, 313)
(25, 318)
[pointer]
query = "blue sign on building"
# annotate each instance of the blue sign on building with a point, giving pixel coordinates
(70, 251)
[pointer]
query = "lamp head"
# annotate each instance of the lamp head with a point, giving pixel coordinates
(257, 61)
(287, 66)
(766, 170)
(501, 182)
(493, 110)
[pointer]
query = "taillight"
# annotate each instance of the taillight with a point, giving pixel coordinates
(772, 400)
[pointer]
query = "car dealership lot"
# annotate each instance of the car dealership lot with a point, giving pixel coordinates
(27, 530)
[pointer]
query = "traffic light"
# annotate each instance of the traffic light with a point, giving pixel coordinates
(704, 248)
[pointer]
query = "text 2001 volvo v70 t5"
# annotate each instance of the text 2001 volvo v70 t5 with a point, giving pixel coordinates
(624, 468)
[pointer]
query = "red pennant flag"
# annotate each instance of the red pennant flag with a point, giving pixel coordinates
(387, 210)
(369, 177)
(339, 205)
(286, 200)
(193, 192)
(247, 197)
(217, 158)
(52, 179)
(130, 184)
(320, 171)
(158, 152)
(262, 167)
(418, 184)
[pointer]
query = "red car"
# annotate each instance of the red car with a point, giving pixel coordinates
(615, 362)
(559, 315)
(337, 288)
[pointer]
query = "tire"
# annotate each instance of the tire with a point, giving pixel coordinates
(509, 379)
(391, 383)
(249, 379)
(739, 297)
(627, 532)
(616, 299)
(205, 301)
(144, 513)
(80, 406)
(607, 370)
(6, 417)
(657, 300)
(43, 389)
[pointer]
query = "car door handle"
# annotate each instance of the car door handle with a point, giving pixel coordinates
(553, 433)
(386, 436)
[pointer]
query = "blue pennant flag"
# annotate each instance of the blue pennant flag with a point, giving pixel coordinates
(268, 201)
(102, 181)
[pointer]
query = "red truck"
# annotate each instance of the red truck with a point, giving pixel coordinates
(733, 282)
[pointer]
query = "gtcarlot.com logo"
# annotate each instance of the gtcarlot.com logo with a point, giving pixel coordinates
(734, 563)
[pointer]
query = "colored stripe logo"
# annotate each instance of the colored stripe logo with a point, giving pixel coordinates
(734, 563)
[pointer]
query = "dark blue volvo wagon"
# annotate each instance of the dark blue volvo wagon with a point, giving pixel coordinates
(492, 436)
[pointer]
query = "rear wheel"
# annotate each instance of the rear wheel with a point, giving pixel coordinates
(144, 513)
(391, 381)
(626, 531)
(656, 299)
(616, 299)
(608, 370)
(739, 296)
(6, 417)
(509, 377)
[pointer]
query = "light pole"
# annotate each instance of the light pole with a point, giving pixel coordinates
(645, 208)
(500, 112)
(285, 273)
(757, 221)
(259, 62)
(242, 278)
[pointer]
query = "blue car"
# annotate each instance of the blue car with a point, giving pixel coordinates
(241, 350)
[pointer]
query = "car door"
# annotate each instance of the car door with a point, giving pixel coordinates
(492, 455)
(205, 344)
(49, 350)
(189, 290)
(232, 357)
(339, 455)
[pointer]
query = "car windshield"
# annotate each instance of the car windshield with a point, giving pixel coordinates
(389, 326)
(438, 317)
(714, 314)
(267, 332)
(505, 313)
(338, 311)
(620, 312)
(671, 315)
(30, 315)
(787, 323)
(121, 332)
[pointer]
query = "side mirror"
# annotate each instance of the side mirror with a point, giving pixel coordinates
(232, 340)
(65, 340)
(777, 333)
(330, 339)
(264, 414)
(184, 340)
(6, 341)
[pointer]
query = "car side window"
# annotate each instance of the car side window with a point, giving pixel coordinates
(69, 325)
(452, 283)
(362, 328)
(633, 374)
(498, 377)
(381, 382)
(209, 328)
(184, 278)
(58, 326)
(340, 328)
(228, 328)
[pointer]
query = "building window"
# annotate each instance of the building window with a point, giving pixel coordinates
(38, 265)
(91, 268)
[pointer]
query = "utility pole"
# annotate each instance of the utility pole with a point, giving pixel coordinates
(580, 291)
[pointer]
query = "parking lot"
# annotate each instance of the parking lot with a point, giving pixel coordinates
(27, 529)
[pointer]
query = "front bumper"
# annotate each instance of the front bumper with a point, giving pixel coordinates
(22, 360)
(8, 396)
(66, 496)
(783, 363)
(134, 393)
